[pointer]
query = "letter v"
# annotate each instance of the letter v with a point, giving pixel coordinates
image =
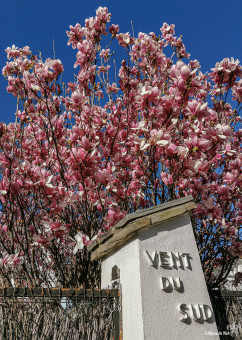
(155, 260)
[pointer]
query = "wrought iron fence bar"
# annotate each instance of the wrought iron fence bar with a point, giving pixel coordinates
(58, 292)
(231, 293)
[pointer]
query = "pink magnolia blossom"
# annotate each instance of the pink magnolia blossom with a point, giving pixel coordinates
(81, 241)
(114, 29)
(237, 91)
(6, 260)
(17, 260)
(42, 241)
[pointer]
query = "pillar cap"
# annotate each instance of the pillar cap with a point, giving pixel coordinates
(131, 224)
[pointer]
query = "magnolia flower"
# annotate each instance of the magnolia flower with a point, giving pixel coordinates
(143, 145)
(124, 38)
(6, 260)
(114, 29)
(208, 203)
(2, 128)
(150, 93)
(11, 260)
(81, 241)
(42, 241)
(17, 261)
(48, 182)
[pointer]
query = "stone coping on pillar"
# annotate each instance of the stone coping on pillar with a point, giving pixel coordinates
(131, 224)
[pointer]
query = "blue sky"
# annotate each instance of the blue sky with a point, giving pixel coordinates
(211, 29)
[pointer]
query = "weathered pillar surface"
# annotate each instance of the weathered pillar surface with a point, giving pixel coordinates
(164, 294)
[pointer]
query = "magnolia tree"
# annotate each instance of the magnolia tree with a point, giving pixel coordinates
(81, 156)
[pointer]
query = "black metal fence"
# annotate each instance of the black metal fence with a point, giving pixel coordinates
(92, 314)
(59, 314)
(227, 306)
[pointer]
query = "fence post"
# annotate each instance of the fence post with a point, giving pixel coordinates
(117, 316)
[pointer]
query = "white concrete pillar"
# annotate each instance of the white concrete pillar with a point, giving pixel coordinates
(164, 294)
